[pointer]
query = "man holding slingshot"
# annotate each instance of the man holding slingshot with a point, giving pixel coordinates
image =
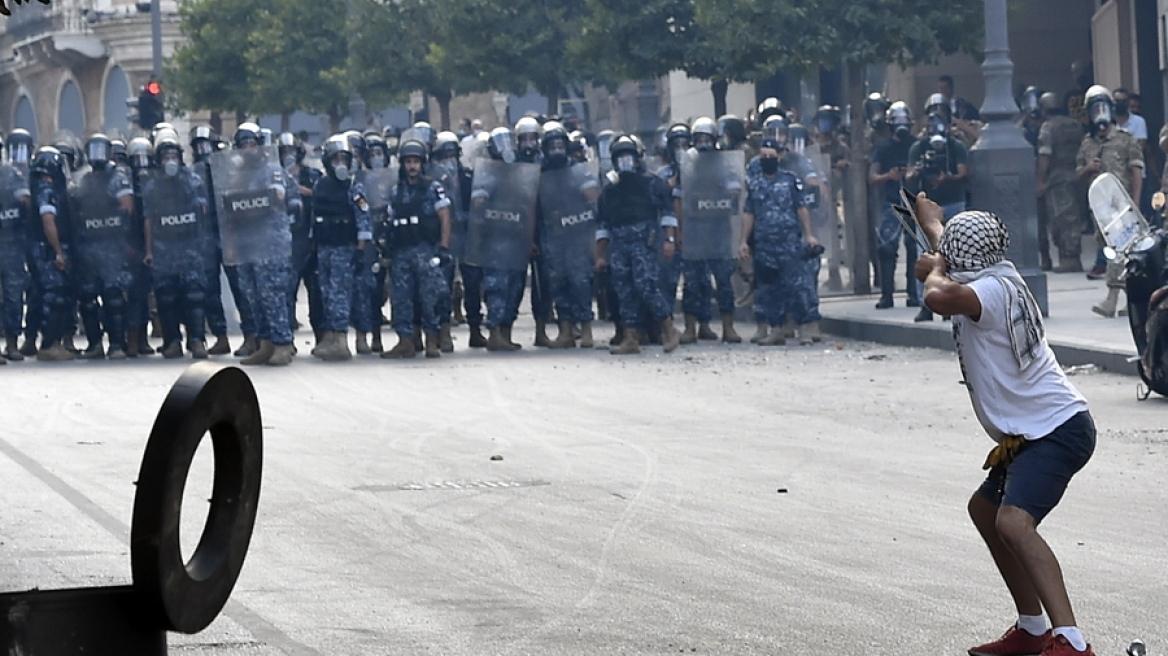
(1023, 400)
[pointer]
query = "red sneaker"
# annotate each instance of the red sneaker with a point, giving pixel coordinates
(1097, 273)
(1060, 646)
(1015, 642)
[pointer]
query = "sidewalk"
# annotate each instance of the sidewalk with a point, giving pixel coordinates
(1077, 335)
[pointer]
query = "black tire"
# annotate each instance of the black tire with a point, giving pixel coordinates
(207, 397)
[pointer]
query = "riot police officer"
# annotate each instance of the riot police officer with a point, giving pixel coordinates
(446, 167)
(204, 142)
(103, 241)
(565, 231)
(630, 212)
(14, 277)
(341, 231)
(179, 244)
(889, 168)
(697, 293)
(419, 239)
(369, 295)
(52, 251)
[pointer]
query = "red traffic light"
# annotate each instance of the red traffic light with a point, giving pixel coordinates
(153, 88)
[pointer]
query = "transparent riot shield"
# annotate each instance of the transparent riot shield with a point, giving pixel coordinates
(567, 231)
(501, 223)
(828, 225)
(712, 187)
(249, 199)
(447, 173)
(378, 185)
(1118, 218)
(180, 231)
(101, 230)
(12, 217)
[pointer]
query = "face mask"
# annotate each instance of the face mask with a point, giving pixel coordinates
(377, 162)
(1121, 108)
(903, 132)
(289, 161)
(770, 165)
(341, 173)
(626, 164)
(170, 168)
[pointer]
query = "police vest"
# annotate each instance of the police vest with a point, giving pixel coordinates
(631, 202)
(333, 223)
(414, 219)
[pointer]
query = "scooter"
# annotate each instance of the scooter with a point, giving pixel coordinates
(1144, 251)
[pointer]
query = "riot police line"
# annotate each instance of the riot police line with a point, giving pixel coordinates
(117, 239)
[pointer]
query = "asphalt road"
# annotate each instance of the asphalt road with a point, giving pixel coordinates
(719, 500)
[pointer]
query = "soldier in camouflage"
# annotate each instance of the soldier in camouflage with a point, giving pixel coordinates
(1059, 139)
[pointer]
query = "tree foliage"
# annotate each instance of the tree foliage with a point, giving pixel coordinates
(209, 69)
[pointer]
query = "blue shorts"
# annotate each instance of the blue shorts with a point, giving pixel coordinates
(1038, 476)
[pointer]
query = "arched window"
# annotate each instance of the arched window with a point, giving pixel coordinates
(117, 90)
(71, 113)
(25, 117)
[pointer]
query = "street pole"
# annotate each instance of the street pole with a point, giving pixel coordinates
(156, 36)
(1002, 161)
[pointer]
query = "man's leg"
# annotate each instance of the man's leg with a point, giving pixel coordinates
(984, 514)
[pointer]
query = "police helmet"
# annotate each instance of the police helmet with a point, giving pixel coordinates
(338, 144)
(553, 131)
(118, 152)
(876, 109)
(501, 144)
(768, 108)
(20, 146)
(374, 146)
(733, 130)
(246, 134)
(446, 146)
(677, 132)
(527, 135)
(937, 104)
(1029, 101)
(1100, 106)
(266, 138)
(392, 135)
(1050, 102)
(167, 134)
(139, 153)
(158, 127)
(202, 140)
(424, 132)
(69, 147)
(48, 161)
(356, 144)
(412, 148)
(577, 145)
(775, 127)
(166, 142)
(622, 147)
(899, 115)
(828, 118)
(97, 150)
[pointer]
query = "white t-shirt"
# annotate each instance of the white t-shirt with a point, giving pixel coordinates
(1136, 126)
(1006, 400)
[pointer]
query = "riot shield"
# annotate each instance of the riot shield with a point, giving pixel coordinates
(249, 200)
(180, 230)
(501, 223)
(827, 223)
(567, 204)
(446, 173)
(1118, 218)
(101, 230)
(712, 191)
(12, 219)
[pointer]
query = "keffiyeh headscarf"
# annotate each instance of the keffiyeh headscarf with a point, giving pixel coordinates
(974, 245)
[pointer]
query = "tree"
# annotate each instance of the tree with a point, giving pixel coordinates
(209, 69)
(296, 58)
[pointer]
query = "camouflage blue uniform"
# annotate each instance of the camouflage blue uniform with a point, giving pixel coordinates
(56, 286)
(14, 277)
(213, 308)
(303, 260)
(181, 247)
(780, 272)
(103, 244)
(631, 214)
(671, 269)
(420, 291)
(138, 295)
(341, 220)
(262, 278)
(568, 276)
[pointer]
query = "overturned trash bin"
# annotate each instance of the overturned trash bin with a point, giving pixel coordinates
(167, 594)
